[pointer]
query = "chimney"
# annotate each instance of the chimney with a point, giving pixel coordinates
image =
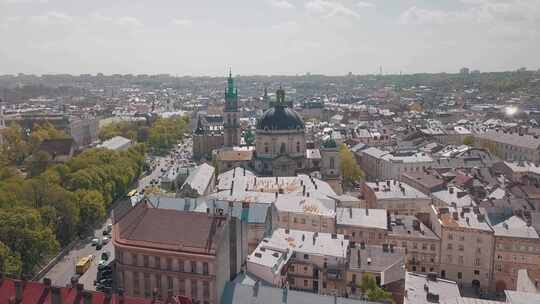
(46, 281)
(18, 291)
(256, 289)
(56, 298)
(87, 297)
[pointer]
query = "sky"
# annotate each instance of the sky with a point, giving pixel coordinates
(267, 37)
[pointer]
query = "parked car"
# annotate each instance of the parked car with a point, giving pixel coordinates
(95, 241)
(99, 246)
(105, 239)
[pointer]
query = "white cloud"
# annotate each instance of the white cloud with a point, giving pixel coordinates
(365, 4)
(330, 9)
(52, 18)
(182, 22)
(281, 4)
(128, 21)
(419, 16)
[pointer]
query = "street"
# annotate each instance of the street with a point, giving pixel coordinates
(62, 272)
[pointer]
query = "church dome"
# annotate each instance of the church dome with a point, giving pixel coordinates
(280, 118)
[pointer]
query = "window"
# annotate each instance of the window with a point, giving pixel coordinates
(182, 286)
(134, 259)
(432, 247)
(479, 250)
(459, 275)
(298, 147)
(477, 272)
(424, 246)
(146, 284)
(169, 282)
(205, 268)
(181, 266)
(283, 148)
(450, 236)
(324, 284)
(461, 248)
(477, 262)
(306, 256)
(499, 267)
(462, 238)
(415, 245)
(206, 289)
(158, 281)
(193, 267)
(305, 283)
(449, 247)
(265, 147)
(303, 221)
(332, 165)
(169, 264)
(423, 269)
(157, 262)
(194, 291)
(145, 260)
(136, 283)
(443, 274)
(460, 259)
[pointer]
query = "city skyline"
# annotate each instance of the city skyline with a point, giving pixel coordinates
(272, 37)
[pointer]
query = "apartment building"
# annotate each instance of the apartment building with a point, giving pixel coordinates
(385, 262)
(362, 225)
(379, 164)
(517, 246)
(422, 246)
(302, 260)
(396, 197)
(467, 242)
(291, 211)
(510, 146)
(153, 253)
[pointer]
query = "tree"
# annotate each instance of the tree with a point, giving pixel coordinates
(42, 132)
(38, 163)
(10, 263)
(370, 288)
(92, 208)
(249, 138)
(22, 231)
(349, 168)
(468, 140)
(15, 148)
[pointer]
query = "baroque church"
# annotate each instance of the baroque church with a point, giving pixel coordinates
(280, 140)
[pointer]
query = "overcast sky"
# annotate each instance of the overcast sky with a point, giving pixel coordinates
(205, 37)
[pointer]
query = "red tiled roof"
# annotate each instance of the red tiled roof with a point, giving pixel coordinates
(167, 229)
(39, 293)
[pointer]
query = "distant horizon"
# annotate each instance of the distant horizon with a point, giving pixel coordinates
(225, 75)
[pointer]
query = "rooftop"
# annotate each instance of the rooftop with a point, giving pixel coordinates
(115, 143)
(465, 217)
(410, 226)
(393, 189)
(509, 138)
(146, 226)
(307, 205)
(361, 217)
(515, 227)
(199, 178)
(518, 297)
(379, 259)
(421, 289)
(454, 196)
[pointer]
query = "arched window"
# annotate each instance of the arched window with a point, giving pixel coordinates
(298, 147)
(332, 165)
(265, 147)
(283, 148)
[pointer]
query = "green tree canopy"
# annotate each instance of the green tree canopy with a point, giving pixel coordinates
(10, 263)
(370, 288)
(350, 171)
(468, 140)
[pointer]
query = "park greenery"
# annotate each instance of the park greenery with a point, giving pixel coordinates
(160, 136)
(372, 291)
(40, 213)
(350, 171)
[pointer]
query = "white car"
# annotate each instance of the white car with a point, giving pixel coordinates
(105, 240)
(102, 263)
(95, 241)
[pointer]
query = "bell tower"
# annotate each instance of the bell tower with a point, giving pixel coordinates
(231, 117)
